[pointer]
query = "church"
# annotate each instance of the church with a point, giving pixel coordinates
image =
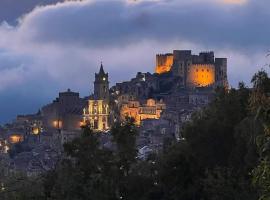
(97, 111)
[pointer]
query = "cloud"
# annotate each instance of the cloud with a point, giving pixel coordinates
(60, 46)
(11, 10)
(234, 1)
(85, 23)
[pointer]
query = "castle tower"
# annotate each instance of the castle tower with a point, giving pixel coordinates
(101, 85)
(203, 70)
(221, 72)
(164, 63)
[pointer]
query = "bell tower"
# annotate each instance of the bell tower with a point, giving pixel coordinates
(101, 85)
(97, 111)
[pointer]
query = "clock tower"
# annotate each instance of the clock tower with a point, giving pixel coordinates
(101, 85)
(97, 111)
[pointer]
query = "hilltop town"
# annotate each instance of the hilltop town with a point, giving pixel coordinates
(160, 103)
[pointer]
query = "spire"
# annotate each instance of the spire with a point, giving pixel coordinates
(101, 70)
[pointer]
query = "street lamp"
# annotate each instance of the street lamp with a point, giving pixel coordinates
(58, 125)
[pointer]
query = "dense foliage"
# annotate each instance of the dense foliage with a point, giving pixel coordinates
(225, 155)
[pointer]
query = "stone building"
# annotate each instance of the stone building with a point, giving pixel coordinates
(64, 113)
(201, 70)
(152, 109)
(97, 111)
(164, 63)
(32, 123)
(140, 86)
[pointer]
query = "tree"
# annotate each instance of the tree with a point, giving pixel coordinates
(20, 187)
(124, 135)
(222, 139)
(260, 106)
(210, 133)
(179, 173)
(223, 183)
(87, 172)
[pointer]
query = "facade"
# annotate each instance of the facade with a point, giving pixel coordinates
(33, 123)
(201, 70)
(139, 87)
(64, 113)
(97, 111)
(152, 109)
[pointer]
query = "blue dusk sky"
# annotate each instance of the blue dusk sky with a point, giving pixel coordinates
(47, 46)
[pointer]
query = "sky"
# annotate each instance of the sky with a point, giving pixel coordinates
(47, 46)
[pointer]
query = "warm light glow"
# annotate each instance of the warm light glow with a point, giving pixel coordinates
(151, 110)
(97, 115)
(57, 124)
(82, 123)
(164, 63)
(201, 75)
(151, 102)
(15, 139)
(35, 131)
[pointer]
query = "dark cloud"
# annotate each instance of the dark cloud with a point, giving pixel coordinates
(60, 46)
(116, 23)
(11, 10)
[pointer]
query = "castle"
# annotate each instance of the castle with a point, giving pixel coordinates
(201, 70)
(161, 103)
(181, 80)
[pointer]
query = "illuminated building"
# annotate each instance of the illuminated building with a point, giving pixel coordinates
(15, 138)
(195, 70)
(201, 75)
(97, 111)
(164, 63)
(58, 124)
(32, 123)
(151, 110)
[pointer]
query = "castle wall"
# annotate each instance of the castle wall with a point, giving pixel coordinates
(164, 63)
(200, 75)
(182, 63)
